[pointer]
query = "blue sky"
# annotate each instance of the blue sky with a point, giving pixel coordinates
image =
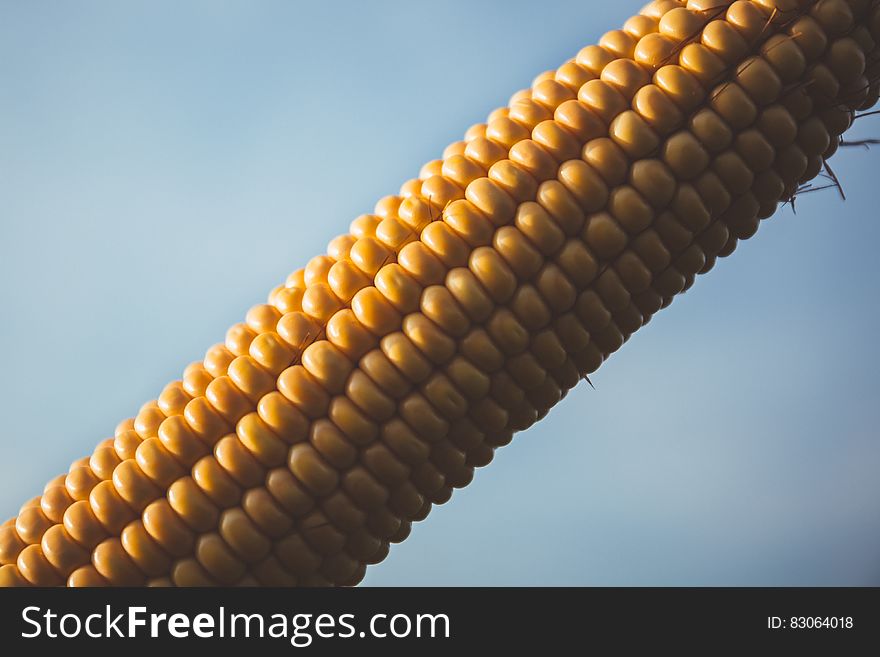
(163, 165)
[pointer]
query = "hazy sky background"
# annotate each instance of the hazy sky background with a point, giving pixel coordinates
(164, 164)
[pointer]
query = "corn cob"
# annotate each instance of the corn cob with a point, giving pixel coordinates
(460, 311)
